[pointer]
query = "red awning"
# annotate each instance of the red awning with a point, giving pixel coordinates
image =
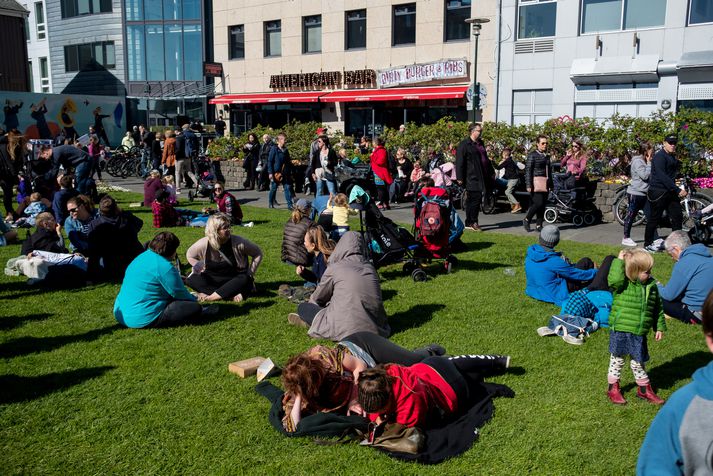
(267, 98)
(396, 94)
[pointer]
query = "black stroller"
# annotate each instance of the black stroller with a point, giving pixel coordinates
(570, 202)
(205, 179)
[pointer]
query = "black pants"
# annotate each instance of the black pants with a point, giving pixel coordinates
(383, 351)
(661, 201)
(307, 311)
(680, 311)
(636, 203)
(584, 263)
(7, 194)
(464, 373)
(227, 287)
(382, 193)
(178, 312)
(538, 201)
(473, 199)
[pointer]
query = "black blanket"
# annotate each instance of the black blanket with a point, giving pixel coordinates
(447, 439)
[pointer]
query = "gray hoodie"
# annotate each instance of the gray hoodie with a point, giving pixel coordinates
(640, 172)
(350, 293)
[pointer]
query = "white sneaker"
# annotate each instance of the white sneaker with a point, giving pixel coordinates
(659, 242)
(249, 224)
(545, 331)
(652, 248)
(572, 340)
(628, 242)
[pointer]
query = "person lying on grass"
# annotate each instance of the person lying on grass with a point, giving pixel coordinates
(348, 297)
(153, 294)
(323, 379)
(224, 265)
(420, 394)
(680, 439)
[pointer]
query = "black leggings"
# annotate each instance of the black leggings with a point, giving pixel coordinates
(464, 373)
(382, 192)
(680, 311)
(384, 351)
(178, 312)
(671, 203)
(538, 201)
(227, 287)
(7, 195)
(307, 311)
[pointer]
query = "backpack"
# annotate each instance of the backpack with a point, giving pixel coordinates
(575, 326)
(430, 218)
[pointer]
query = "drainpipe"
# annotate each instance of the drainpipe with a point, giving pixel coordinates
(497, 65)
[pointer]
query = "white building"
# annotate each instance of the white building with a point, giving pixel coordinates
(38, 50)
(594, 58)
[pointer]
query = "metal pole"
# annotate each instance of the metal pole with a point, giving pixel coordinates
(373, 125)
(476, 89)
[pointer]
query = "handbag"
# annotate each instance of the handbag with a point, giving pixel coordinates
(396, 438)
(539, 184)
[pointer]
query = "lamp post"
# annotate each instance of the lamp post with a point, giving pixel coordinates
(147, 93)
(477, 25)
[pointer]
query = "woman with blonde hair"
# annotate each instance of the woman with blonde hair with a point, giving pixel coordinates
(222, 269)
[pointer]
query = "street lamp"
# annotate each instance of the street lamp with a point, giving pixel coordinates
(477, 25)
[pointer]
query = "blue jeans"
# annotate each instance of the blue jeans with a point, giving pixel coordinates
(331, 187)
(286, 187)
(83, 175)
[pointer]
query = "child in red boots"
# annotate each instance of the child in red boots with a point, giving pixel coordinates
(631, 320)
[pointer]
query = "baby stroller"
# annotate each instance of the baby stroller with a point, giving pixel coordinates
(569, 202)
(702, 225)
(433, 220)
(206, 179)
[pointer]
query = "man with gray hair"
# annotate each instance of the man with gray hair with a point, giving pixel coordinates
(691, 278)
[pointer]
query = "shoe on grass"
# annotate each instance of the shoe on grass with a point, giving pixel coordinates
(285, 290)
(526, 225)
(295, 319)
(572, 340)
(628, 242)
(652, 248)
(545, 331)
(614, 394)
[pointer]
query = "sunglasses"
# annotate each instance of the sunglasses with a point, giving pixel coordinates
(73, 210)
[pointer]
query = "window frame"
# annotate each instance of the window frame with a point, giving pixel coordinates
(232, 57)
(266, 44)
(393, 22)
(75, 48)
(347, 29)
(44, 80)
(40, 26)
(621, 21)
(520, 4)
(306, 28)
(70, 8)
(533, 113)
(445, 22)
(688, 17)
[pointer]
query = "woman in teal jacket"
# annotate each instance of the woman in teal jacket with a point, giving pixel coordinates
(153, 294)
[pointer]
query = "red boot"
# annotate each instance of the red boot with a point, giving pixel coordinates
(650, 395)
(615, 396)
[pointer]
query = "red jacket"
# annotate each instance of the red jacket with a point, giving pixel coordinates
(380, 164)
(418, 390)
(229, 205)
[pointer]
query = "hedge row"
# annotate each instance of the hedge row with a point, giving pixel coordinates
(608, 142)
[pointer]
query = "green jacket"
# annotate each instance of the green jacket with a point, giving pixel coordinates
(637, 307)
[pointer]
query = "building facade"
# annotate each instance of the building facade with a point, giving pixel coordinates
(595, 58)
(14, 74)
(38, 50)
(356, 65)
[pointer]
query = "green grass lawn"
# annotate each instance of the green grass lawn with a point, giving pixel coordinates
(81, 395)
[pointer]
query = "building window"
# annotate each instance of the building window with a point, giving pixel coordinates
(457, 11)
(44, 75)
(536, 18)
(236, 42)
(172, 10)
(74, 8)
(355, 29)
(27, 27)
(531, 106)
(312, 34)
(155, 70)
(403, 24)
(701, 12)
(613, 15)
(134, 10)
(193, 52)
(40, 20)
(135, 52)
(78, 57)
(31, 76)
(273, 38)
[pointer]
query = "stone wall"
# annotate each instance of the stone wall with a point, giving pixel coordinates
(234, 173)
(604, 198)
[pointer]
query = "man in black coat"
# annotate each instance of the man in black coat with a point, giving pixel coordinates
(663, 192)
(70, 158)
(469, 173)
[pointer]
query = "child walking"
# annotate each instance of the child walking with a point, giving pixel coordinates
(636, 308)
(340, 215)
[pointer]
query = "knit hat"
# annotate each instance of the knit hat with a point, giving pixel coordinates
(303, 204)
(550, 236)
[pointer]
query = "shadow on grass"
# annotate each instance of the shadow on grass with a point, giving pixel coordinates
(31, 345)
(413, 317)
(11, 322)
(471, 265)
(682, 367)
(16, 388)
(228, 310)
(475, 246)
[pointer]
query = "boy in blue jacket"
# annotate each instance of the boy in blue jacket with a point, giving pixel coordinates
(680, 439)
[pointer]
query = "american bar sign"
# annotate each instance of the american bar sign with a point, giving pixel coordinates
(325, 79)
(422, 73)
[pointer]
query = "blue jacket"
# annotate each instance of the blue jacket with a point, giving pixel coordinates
(151, 282)
(279, 161)
(59, 203)
(691, 278)
(680, 437)
(664, 169)
(547, 273)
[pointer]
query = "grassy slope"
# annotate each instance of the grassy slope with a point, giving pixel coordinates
(79, 393)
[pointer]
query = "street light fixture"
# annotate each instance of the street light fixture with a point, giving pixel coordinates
(477, 25)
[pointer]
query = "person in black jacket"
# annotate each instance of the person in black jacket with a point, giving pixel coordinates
(537, 168)
(70, 157)
(262, 176)
(113, 241)
(663, 192)
(48, 236)
(321, 168)
(252, 155)
(510, 179)
(470, 175)
(293, 235)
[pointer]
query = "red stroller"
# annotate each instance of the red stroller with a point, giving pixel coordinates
(432, 223)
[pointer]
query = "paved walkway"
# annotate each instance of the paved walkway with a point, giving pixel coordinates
(505, 222)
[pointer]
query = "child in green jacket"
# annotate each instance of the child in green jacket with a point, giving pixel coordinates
(636, 308)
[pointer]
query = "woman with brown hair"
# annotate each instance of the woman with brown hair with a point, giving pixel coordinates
(12, 153)
(575, 162)
(320, 247)
(168, 159)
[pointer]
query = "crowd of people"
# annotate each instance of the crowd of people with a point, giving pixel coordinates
(366, 374)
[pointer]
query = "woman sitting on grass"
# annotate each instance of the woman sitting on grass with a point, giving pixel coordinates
(293, 235)
(81, 212)
(323, 379)
(153, 294)
(320, 247)
(222, 268)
